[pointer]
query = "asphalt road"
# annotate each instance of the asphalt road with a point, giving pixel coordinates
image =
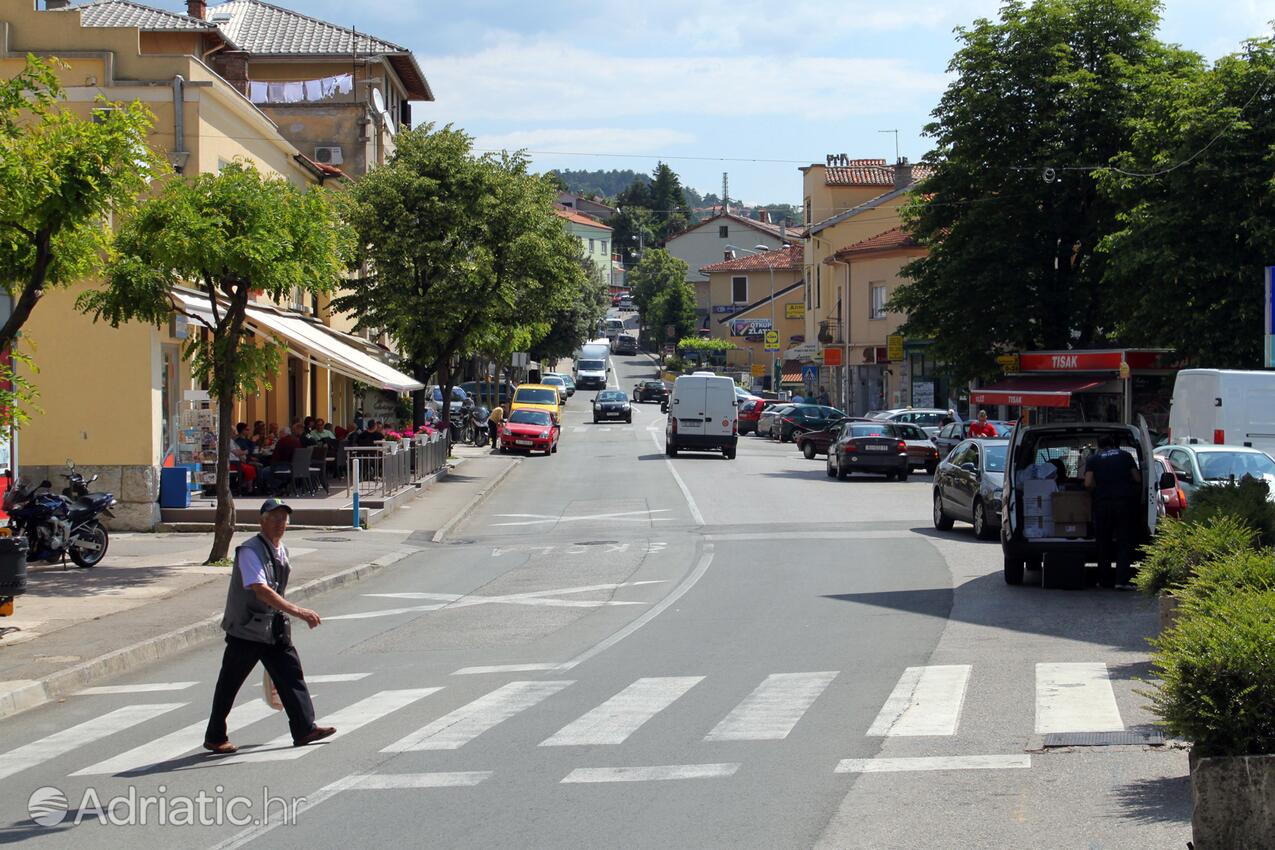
(618, 649)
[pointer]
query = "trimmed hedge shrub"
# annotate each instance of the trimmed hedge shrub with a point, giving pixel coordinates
(1217, 671)
(1246, 500)
(1180, 547)
(1253, 570)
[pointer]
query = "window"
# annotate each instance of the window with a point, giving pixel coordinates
(590, 246)
(739, 290)
(818, 286)
(878, 301)
(807, 211)
(604, 246)
(809, 276)
(723, 231)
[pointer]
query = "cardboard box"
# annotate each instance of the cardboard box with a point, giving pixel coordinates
(1072, 507)
(1071, 529)
(1035, 527)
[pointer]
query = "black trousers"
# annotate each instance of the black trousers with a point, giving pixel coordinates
(284, 666)
(1113, 531)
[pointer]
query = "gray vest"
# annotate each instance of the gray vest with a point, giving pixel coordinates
(246, 616)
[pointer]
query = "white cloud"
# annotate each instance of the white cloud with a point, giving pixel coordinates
(522, 80)
(597, 140)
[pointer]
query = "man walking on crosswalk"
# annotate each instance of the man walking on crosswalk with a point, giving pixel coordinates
(257, 630)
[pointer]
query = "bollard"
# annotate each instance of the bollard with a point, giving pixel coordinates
(355, 477)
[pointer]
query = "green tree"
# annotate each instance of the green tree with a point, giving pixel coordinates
(1198, 213)
(673, 307)
(657, 271)
(633, 229)
(577, 324)
(228, 235)
(61, 176)
(668, 203)
(1012, 213)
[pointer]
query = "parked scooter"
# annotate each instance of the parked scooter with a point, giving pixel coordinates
(60, 526)
(478, 431)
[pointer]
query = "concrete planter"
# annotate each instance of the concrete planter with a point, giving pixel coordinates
(1233, 802)
(1168, 611)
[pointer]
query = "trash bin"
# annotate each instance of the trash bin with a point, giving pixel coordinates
(174, 487)
(13, 566)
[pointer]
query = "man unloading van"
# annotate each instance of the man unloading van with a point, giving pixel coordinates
(1112, 476)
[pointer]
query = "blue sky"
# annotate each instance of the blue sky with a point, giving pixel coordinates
(742, 79)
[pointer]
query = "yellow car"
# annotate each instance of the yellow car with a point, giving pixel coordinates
(538, 397)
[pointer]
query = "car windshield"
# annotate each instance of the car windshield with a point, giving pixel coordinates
(529, 417)
(994, 457)
(612, 395)
(870, 429)
(591, 366)
(555, 380)
(654, 385)
(531, 395)
(1221, 466)
(457, 394)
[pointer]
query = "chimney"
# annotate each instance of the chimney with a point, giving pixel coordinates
(763, 216)
(54, 5)
(902, 173)
(197, 9)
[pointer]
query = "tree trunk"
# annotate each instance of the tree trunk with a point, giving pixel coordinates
(224, 372)
(31, 293)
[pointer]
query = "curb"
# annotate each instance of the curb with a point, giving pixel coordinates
(473, 503)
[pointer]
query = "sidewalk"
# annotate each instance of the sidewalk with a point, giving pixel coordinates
(152, 598)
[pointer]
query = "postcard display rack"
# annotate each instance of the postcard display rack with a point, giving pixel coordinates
(197, 442)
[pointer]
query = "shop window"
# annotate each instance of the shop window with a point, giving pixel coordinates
(739, 290)
(878, 301)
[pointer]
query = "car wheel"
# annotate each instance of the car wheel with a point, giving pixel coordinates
(930, 468)
(832, 473)
(785, 436)
(629, 421)
(554, 450)
(890, 476)
(1013, 569)
(595, 420)
(842, 471)
(729, 452)
(901, 476)
(982, 528)
(670, 450)
(942, 521)
(808, 449)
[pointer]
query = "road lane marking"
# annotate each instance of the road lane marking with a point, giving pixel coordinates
(506, 668)
(461, 726)
(926, 701)
(61, 743)
(1075, 697)
(749, 537)
(681, 485)
(624, 516)
(174, 745)
(902, 765)
(330, 678)
(623, 714)
(655, 773)
(154, 687)
(349, 719)
(534, 598)
(771, 711)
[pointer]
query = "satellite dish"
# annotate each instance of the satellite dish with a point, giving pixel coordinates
(378, 100)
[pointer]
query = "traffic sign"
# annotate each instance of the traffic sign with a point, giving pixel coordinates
(772, 340)
(809, 374)
(759, 370)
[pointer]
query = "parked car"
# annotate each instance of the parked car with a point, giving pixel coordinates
(558, 381)
(922, 453)
(804, 417)
(539, 397)
(967, 486)
(625, 344)
(1172, 499)
(489, 393)
(530, 430)
(611, 404)
(868, 447)
(771, 415)
(750, 411)
(626, 302)
(956, 432)
(1045, 513)
(650, 391)
(1199, 464)
(435, 402)
(812, 443)
(929, 418)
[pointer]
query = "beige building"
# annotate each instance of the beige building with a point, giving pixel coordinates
(111, 398)
(722, 237)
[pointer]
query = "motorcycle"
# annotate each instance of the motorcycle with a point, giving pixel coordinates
(477, 430)
(58, 526)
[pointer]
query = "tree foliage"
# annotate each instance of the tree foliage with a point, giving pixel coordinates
(575, 325)
(227, 235)
(1013, 213)
(657, 271)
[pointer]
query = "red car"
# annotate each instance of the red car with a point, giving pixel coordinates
(750, 412)
(1173, 499)
(529, 430)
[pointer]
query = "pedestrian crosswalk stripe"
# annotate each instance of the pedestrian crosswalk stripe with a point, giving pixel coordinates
(347, 720)
(60, 743)
(771, 711)
(176, 744)
(396, 781)
(623, 714)
(900, 765)
(154, 687)
(653, 773)
(333, 678)
(1075, 697)
(926, 701)
(461, 726)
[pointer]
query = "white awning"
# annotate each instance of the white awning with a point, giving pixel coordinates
(322, 346)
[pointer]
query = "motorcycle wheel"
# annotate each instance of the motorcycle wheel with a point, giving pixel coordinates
(480, 437)
(97, 533)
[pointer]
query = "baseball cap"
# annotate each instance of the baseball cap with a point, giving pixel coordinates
(273, 504)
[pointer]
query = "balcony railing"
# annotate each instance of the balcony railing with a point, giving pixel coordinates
(830, 332)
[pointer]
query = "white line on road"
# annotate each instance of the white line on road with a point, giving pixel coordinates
(901, 765)
(506, 668)
(347, 720)
(1075, 698)
(330, 678)
(748, 537)
(926, 701)
(625, 516)
(686, 492)
(60, 743)
(771, 711)
(154, 687)
(176, 744)
(461, 726)
(623, 714)
(654, 773)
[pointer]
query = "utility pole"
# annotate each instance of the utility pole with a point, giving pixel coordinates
(725, 192)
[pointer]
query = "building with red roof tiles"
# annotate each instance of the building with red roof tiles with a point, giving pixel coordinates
(595, 239)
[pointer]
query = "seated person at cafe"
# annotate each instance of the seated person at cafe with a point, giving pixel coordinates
(320, 432)
(241, 451)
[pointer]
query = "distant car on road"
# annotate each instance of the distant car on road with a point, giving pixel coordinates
(812, 443)
(529, 430)
(1172, 499)
(750, 411)
(650, 391)
(929, 418)
(769, 416)
(624, 344)
(804, 417)
(489, 393)
(435, 402)
(957, 432)
(868, 447)
(967, 486)
(559, 382)
(1202, 464)
(625, 303)
(922, 453)
(612, 404)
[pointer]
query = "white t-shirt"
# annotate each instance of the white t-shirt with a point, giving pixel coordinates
(253, 571)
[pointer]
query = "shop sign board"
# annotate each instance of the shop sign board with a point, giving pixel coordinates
(759, 370)
(832, 356)
(1084, 361)
(804, 351)
(749, 327)
(772, 340)
(1008, 362)
(795, 311)
(724, 308)
(923, 394)
(894, 348)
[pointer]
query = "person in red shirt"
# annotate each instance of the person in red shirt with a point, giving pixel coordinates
(983, 428)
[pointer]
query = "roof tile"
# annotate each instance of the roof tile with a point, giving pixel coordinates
(782, 259)
(125, 13)
(263, 28)
(890, 240)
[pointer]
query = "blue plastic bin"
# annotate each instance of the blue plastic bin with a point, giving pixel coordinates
(174, 487)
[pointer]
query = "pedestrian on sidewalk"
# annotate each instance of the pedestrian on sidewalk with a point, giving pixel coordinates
(257, 630)
(493, 425)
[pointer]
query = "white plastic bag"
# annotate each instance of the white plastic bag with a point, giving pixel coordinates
(269, 693)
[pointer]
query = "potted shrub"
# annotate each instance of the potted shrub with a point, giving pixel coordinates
(1217, 690)
(1179, 548)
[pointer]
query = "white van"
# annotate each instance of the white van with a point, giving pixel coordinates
(613, 328)
(1223, 406)
(703, 415)
(591, 368)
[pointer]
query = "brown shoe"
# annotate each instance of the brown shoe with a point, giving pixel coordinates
(318, 733)
(225, 748)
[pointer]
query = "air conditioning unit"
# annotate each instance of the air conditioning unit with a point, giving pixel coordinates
(328, 155)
